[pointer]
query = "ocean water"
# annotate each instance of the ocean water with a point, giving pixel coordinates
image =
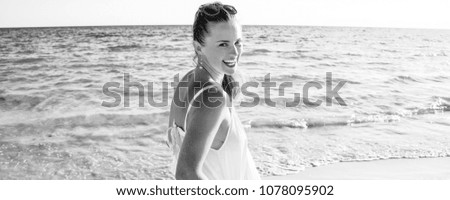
(53, 124)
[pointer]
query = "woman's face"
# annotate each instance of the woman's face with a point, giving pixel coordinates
(223, 46)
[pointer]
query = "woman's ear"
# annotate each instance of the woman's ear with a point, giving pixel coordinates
(197, 47)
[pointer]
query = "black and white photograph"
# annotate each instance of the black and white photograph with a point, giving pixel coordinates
(224, 90)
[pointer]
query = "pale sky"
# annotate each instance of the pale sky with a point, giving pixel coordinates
(360, 13)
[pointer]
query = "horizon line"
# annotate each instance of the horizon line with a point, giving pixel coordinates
(332, 26)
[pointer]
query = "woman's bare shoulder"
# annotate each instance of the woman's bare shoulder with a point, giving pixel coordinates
(212, 98)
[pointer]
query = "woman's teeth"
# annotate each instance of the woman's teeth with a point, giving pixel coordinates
(230, 63)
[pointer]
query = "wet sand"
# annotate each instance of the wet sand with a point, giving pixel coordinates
(391, 169)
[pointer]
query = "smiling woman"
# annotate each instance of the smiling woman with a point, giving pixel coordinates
(209, 142)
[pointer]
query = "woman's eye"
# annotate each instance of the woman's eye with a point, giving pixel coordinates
(223, 45)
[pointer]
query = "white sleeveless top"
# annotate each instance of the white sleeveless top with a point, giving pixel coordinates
(232, 161)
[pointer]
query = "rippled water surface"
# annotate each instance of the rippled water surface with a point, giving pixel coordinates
(53, 126)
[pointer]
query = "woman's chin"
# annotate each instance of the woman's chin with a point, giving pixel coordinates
(229, 70)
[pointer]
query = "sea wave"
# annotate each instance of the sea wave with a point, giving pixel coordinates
(256, 52)
(29, 60)
(403, 79)
(120, 48)
(321, 122)
(379, 63)
(442, 104)
(101, 35)
(26, 52)
(99, 120)
(20, 101)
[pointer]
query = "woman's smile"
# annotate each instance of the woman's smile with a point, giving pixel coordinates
(230, 63)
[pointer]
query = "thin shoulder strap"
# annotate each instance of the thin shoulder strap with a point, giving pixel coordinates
(192, 100)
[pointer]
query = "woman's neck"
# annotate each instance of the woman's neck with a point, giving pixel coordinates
(214, 74)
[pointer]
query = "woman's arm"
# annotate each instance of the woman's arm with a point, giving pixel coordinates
(201, 127)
